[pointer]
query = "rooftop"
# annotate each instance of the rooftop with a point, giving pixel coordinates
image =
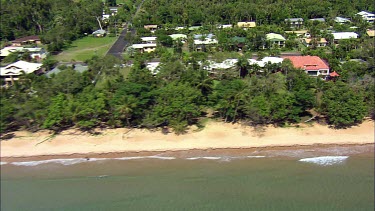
(26, 39)
(344, 35)
(275, 37)
(307, 62)
(18, 67)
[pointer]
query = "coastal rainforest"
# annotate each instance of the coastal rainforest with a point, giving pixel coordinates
(183, 93)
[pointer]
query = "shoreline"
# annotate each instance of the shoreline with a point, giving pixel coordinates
(215, 136)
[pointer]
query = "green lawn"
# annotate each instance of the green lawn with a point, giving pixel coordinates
(85, 48)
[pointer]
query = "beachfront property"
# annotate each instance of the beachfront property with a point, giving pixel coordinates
(29, 40)
(299, 33)
(77, 66)
(310, 42)
(343, 35)
(148, 40)
(294, 22)
(275, 40)
(266, 60)
(369, 17)
(246, 25)
(153, 67)
(99, 33)
(312, 65)
(35, 53)
(370, 33)
(204, 41)
(181, 37)
(12, 72)
(148, 48)
(151, 27)
(342, 20)
(318, 19)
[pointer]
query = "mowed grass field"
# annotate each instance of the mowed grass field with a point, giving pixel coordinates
(84, 48)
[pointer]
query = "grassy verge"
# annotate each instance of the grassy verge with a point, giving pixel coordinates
(85, 48)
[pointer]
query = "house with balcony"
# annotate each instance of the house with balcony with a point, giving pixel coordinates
(312, 65)
(29, 40)
(148, 40)
(369, 17)
(148, 48)
(247, 24)
(294, 22)
(151, 27)
(337, 36)
(12, 72)
(275, 40)
(318, 42)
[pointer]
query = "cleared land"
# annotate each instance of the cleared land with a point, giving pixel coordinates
(85, 48)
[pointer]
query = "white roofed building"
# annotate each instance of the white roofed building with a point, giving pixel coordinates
(35, 53)
(266, 60)
(344, 35)
(369, 17)
(144, 47)
(11, 72)
(148, 40)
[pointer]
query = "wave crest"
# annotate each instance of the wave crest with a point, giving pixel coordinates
(325, 160)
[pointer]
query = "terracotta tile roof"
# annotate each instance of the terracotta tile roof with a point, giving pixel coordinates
(307, 62)
(334, 74)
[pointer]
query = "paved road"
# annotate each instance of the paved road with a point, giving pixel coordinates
(118, 47)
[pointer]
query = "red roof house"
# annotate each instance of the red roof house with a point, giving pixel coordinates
(313, 65)
(334, 74)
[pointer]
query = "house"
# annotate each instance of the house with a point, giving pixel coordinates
(213, 66)
(152, 28)
(99, 33)
(35, 53)
(225, 26)
(312, 65)
(370, 33)
(113, 10)
(318, 19)
(182, 37)
(77, 66)
(239, 42)
(275, 39)
(202, 41)
(148, 40)
(342, 20)
(194, 28)
(27, 41)
(246, 25)
(145, 47)
(299, 33)
(153, 67)
(11, 72)
(266, 60)
(343, 35)
(369, 17)
(308, 42)
(294, 22)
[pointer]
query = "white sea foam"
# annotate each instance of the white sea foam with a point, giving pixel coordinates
(325, 160)
(207, 158)
(130, 158)
(160, 157)
(256, 156)
(70, 161)
(3, 163)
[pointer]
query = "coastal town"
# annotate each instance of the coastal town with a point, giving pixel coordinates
(233, 71)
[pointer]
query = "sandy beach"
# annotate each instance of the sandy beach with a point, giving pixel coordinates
(216, 135)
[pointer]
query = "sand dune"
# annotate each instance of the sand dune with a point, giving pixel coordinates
(214, 135)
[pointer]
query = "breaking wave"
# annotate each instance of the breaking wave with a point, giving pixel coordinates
(325, 160)
(225, 158)
(3, 163)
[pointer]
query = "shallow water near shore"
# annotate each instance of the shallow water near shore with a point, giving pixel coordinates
(335, 178)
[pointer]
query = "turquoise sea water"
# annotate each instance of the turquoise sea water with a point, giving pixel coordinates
(278, 182)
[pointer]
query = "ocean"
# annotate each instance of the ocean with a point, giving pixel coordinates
(320, 178)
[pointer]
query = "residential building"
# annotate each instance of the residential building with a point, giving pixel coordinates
(312, 65)
(194, 28)
(370, 33)
(145, 47)
(26, 41)
(275, 39)
(238, 42)
(299, 33)
(342, 20)
(77, 66)
(247, 25)
(309, 42)
(152, 28)
(148, 40)
(294, 22)
(318, 19)
(35, 53)
(266, 60)
(153, 67)
(213, 66)
(182, 37)
(11, 72)
(343, 35)
(224, 26)
(202, 41)
(99, 33)
(369, 17)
